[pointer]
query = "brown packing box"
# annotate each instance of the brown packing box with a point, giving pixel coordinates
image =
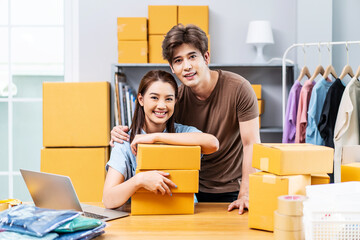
(162, 18)
(161, 156)
(143, 203)
(261, 106)
(132, 28)
(257, 90)
(264, 190)
(76, 114)
(197, 15)
(132, 51)
(286, 159)
(155, 49)
(84, 166)
(350, 172)
(320, 179)
(187, 181)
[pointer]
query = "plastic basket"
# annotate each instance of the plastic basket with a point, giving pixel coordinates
(332, 212)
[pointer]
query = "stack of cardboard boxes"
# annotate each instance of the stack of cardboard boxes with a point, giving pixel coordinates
(76, 130)
(287, 169)
(137, 42)
(183, 165)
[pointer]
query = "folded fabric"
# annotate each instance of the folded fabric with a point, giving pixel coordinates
(77, 224)
(34, 221)
(85, 234)
(7, 235)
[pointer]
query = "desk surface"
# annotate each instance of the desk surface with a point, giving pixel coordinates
(210, 221)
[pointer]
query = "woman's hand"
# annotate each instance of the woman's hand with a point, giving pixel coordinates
(119, 134)
(142, 138)
(155, 181)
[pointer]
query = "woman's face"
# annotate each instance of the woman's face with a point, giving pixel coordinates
(158, 102)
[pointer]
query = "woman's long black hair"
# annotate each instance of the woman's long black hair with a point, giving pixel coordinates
(138, 120)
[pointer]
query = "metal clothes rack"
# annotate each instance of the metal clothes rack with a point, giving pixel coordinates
(337, 161)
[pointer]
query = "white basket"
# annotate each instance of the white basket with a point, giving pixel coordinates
(332, 212)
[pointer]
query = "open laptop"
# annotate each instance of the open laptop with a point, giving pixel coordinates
(57, 192)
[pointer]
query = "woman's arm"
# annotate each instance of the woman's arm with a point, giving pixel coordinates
(117, 191)
(207, 142)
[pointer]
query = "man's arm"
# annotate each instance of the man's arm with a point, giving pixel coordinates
(249, 132)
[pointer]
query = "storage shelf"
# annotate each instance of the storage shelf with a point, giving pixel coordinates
(271, 130)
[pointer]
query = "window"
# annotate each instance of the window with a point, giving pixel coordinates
(36, 46)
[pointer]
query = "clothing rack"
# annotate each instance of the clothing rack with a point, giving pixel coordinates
(337, 162)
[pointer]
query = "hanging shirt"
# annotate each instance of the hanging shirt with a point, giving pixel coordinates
(347, 122)
(291, 113)
(301, 118)
(329, 112)
(316, 104)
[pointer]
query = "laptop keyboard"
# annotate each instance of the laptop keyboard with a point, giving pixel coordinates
(93, 215)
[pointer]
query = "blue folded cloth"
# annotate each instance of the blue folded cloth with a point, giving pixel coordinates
(34, 221)
(84, 234)
(7, 235)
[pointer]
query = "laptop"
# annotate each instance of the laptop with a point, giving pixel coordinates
(57, 192)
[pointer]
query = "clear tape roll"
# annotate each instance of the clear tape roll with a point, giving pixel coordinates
(288, 235)
(287, 223)
(291, 205)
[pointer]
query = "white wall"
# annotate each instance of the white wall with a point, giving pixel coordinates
(228, 20)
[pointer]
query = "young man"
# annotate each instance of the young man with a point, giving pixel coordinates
(216, 102)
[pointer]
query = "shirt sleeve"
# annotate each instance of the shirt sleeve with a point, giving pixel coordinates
(247, 104)
(179, 128)
(119, 160)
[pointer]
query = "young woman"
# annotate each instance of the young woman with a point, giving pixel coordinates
(153, 121)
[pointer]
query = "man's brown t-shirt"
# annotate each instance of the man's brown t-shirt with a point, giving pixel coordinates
(232, 101)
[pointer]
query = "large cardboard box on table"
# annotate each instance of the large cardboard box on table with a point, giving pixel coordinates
(187, 181)
(161, 156)
(350, 172)
(132, 52)
(197, 15)
(264, 190)
(143, 203)
(286, 159)
(162, 18)
(84, 166)
(76, 114)
(132, 28)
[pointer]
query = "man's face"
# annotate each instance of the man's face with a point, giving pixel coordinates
(189, 65)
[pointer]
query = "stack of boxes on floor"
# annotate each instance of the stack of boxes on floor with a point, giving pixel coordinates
(257, 90)
(183, 165)
(76, 129)
(287, 169)
(141, 43)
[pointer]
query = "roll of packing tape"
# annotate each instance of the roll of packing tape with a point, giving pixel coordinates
(11, 202)
(291, 205)
(288, 235)
(4, 206)
(287, 222)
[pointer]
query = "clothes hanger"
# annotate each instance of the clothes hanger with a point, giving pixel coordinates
(347, 70)
(319, 69)
(329, 69)
(305, 70)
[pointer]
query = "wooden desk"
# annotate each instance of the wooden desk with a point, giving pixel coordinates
(210, 221)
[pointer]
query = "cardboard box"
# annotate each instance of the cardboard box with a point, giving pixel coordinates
(161, 156)
(187, 181)
(317, 179)
(350, 153)
(350, 172)
(84, 166)
(286, 159)
(155, 49)
(264, 189)
(197, 15)
(76, 114)
(132, 51)
(261, 106)
(162, 18)
(257, 90)
(150, 203)
(132, 28)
